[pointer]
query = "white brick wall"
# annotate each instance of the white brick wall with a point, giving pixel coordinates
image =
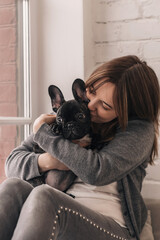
(127, 27)
(122, 27)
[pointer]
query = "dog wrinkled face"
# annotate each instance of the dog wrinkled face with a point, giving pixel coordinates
(73, 116)
(74, 119)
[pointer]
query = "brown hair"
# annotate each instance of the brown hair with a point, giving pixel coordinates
(137, 94)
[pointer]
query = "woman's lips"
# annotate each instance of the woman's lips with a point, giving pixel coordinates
(93, 114)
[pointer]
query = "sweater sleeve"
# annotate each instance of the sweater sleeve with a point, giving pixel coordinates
(128, 150)
(22, 161)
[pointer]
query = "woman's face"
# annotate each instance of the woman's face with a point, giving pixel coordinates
(101, 102)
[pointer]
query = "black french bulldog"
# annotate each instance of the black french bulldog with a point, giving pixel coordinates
(72, 122)
(73, 117)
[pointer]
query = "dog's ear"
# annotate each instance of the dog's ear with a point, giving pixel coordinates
(79, 90)
(57, 98)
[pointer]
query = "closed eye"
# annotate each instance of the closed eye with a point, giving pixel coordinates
(107, 106)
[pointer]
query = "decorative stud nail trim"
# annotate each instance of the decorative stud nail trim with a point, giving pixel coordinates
(85, 219)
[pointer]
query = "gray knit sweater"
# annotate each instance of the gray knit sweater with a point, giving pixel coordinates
(123, 160)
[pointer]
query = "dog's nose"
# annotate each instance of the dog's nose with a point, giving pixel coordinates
(70, 125)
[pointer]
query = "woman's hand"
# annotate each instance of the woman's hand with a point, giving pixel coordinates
(81, 143)
(46, 162)
(43, 118)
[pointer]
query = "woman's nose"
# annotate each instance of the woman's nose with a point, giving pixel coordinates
(92, 101)
(92, 104)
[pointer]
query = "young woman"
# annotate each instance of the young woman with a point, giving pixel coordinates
(106, 203)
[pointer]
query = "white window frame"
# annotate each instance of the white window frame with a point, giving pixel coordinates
(27, 119)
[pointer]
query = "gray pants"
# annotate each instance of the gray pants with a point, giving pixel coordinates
(43, 213)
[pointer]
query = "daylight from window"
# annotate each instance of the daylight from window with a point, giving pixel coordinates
(14, 81)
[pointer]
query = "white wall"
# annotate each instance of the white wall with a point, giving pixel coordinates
(89, 50)
(57, 50)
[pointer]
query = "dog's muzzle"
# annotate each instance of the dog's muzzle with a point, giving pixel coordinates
(74, 131)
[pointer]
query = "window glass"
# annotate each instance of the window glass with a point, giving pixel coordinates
(14, 76)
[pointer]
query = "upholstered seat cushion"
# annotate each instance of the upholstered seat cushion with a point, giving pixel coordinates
(147, 232)
(154, 206)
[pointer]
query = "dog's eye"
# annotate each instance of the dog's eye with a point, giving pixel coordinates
(80, 116)
(59, 120)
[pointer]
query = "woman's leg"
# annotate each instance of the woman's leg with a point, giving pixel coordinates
(13, 193)
(49, 214)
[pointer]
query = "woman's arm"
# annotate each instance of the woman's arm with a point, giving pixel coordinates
(47, 162)
(128, 150)
(24, 163)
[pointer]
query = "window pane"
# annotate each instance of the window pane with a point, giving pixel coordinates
(12, 59)
(14, 77)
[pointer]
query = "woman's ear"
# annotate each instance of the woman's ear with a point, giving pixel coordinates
(79, 90)
(57, 98)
